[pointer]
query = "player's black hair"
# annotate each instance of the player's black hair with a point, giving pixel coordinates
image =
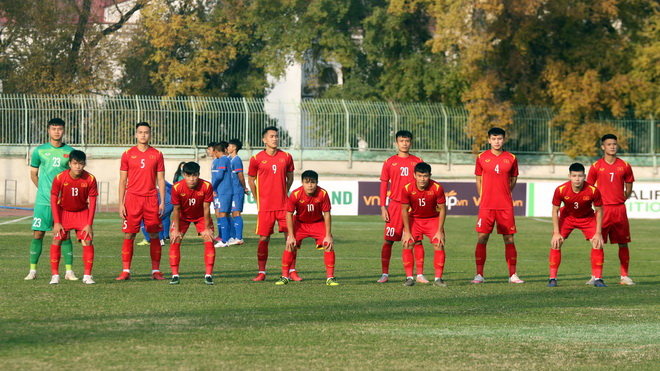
(191, 168)
(266, 130)
(55, 122)
(403, 134)
(77, 155)
(497, 131)
(237, 143)
(423, 168)
(608, 136)
(311, 175)
(576, 167)
(143, 123)
(220, 146)
(211, 144)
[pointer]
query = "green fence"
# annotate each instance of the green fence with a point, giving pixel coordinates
(350, 126)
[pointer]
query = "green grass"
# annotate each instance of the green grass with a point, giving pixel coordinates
(144, 324)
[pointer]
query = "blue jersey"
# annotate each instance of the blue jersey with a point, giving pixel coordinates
(221, 176)
(236, 167)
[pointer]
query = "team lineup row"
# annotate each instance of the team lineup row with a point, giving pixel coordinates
(412, 204)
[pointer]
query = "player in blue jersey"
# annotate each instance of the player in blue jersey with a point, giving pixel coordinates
(221, 182)
(240, 190)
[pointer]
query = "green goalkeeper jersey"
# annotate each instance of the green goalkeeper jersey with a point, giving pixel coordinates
(50, 161)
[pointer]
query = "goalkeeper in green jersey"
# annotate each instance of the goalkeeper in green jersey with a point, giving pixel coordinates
(47, 161)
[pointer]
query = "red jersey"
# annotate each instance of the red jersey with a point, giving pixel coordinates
(610, 179)
(73, 194)
(423, 203)
(142, 168)
(191, 201)
(271, 179)
(309, 209)
(577, 205)
(496, 173)
(399, 171)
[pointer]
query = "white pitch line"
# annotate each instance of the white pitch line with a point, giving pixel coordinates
(16, 220)
(542, 220)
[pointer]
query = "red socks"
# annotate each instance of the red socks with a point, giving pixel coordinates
(624, 259)
(209, 257)
(419, 258)
(480, 257)
(408, 262)
(155, 252)
(88, 259)
(175, 258)
(262, 255)
(597, 260)
(55, 253)
(555, 260)
(287, 258)
(385, 256)
(127, 253)
(329, 258)
(439, 262)
(292, 266)
(511, 257)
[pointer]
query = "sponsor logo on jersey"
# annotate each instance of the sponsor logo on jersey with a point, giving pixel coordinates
(487, 160)
(66, 184)
(133, 156)
(264, 161)
(601, 169)
(394, 164)
(183, 194)
(302, 201)
(566, 197)
(47, 153)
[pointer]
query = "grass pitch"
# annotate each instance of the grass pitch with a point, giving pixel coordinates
(145, 324)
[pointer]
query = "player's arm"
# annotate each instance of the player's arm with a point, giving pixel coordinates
(512, 182)
(123, 177)
(175, 235)
(407, 235)
(253, 187)
(208, 222)
(57, 209)
(628, 190)
(291, 237)
(328, 242)
(241, 179)
(442, 215)
(597, 240)
(479, 184)
(34, 176)
(289, 181)
(88, 230)
(160, 180)
(383, 200)
(557, 239)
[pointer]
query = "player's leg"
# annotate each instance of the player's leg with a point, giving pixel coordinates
(329, 260)
(88, 258)
(55, 254)
(153, 225)
(223, 217)
(506, 226)
(619, 234)
(237, 209)
(42, 221)
(146, 239)
(130, 227)
(392, 233)
(565, 229)
(588, 228)
(70, 221)
(175, 251)
(484, 227)
(408, 263)
(264, 228)
(418, 227)
(209, 252)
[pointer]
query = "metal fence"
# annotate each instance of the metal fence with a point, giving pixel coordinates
(192, 122)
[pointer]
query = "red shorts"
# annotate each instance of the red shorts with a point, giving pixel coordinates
(586, 225)
(506, 223)
(313, 230)
(615, 224)
(266, 222)
(140, 208)
(184, 224)
(74, 220)
(394, 228)
(420, 227)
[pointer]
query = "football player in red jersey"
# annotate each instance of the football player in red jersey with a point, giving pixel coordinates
(397, 171)
(423, 208)
(614, 178)
(497, 173)
(142, 168)
(308, 215)
(191, 198)
(270, 176)
(578, 198)
(73, 201)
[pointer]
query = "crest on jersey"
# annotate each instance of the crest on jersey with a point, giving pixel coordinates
(65, 155)
(282, 160)
(585, 198)
(200, 193)
(153, 157)
(431, 193)
(84, 185)
(620, 168)
(507, 161)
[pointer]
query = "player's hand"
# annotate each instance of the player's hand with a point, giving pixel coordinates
(385, 215)
(207, 232)
(58, 230)
(87, 232)
(405, 239)
(440, 237)
(597, 241)
(161, 209)
(247, 191)
(215, 194)
(175, 235)
(122, 211)
(328, 243)
(557, 241)
(290, 243)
